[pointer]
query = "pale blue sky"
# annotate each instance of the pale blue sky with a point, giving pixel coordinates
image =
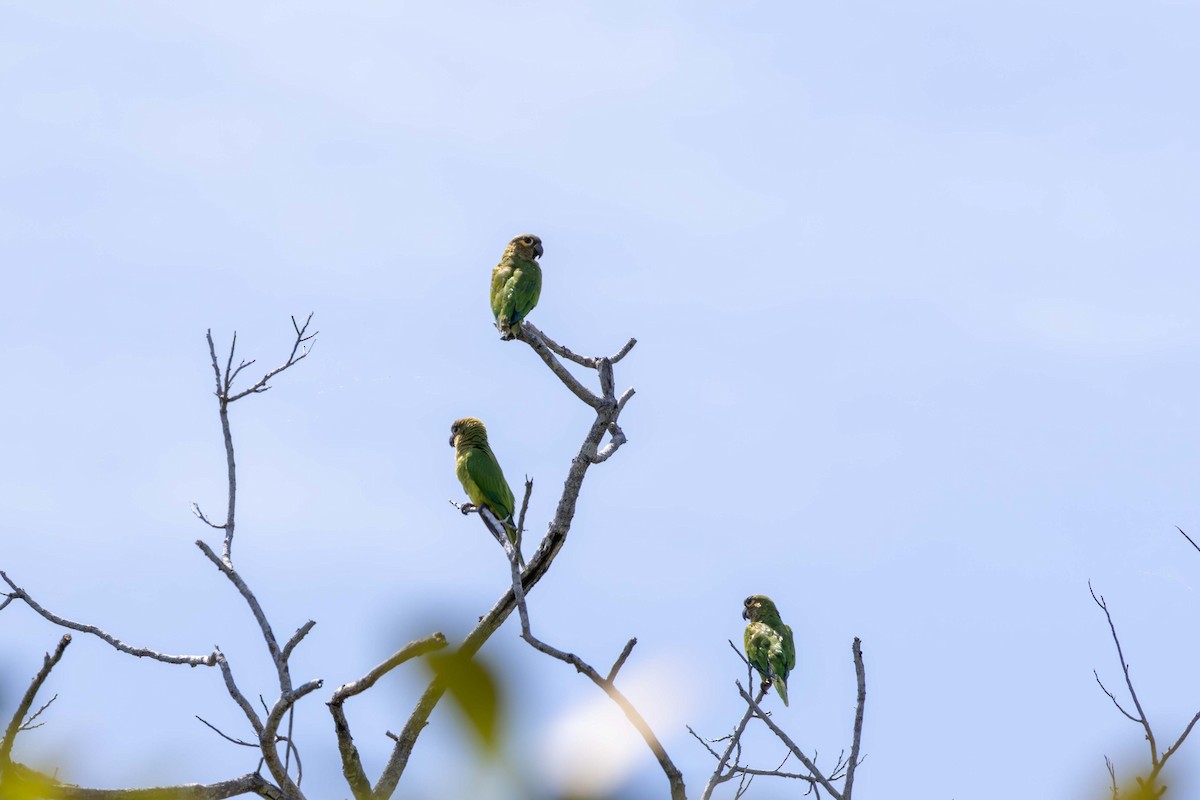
(915, 292)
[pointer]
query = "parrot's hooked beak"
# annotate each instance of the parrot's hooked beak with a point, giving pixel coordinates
(452, 440)
(537, 250)
(746, 612)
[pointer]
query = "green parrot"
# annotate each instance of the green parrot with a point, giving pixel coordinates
(769, 644)
(480, 474)
(516, 283)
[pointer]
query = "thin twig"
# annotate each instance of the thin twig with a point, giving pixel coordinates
(1112, 776)
(141, 652)
(261, 385)
(28, 724)
(524, 508)
(719, 775)
(1193, 542)
(200, 515)
(620, 662)
(1128, 681)
(15, 724)
(783, 737)
(224, 384)
(224, 735)
(674, 776)
(297, 637)
(414, 649)
(1113, 697)
(236, 693)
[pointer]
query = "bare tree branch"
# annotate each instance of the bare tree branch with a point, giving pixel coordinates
(718, 777)
(783, 737)
(414, 649)
(1112, 776)
(224, 735)
(226, 568)
(352, 767)
(269, 738)
(28, 725)
(224, 384)
(15, 724)
(1157, 761)
(25, 782)
(236, 693)
(620, 662)
(607, 411)
(674, 776)
(1170, 751)
(302, 338)
(297, 637)
(1128, 681)
(860, 704)
(590, 362)
(521, 518)
(1113, 697)
(141, 652)
(1190, 539)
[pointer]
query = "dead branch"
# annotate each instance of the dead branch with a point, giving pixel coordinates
(859, 706)
(808, 763)
(352, 767)
(224, 384)
(719, 776)
(608, 409)
(1141, 717)
(674, 776)
(25, 782)
(1157, 761)
(141, 652)
(15, 724)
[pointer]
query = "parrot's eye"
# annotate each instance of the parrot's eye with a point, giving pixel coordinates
(527, 240)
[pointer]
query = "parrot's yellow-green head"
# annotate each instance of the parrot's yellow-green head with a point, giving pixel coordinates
(469, 431)
(526, 246)
(758, 607)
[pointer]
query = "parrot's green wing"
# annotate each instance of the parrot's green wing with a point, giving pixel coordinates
(500, 277)
(789, 649)
(767, 653)
(782, 657)
(524, 290)
(516, 288)
(484, 472)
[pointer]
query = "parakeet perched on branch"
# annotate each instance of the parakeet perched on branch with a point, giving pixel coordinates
(480, 473)
(516, 283)
(769, 644)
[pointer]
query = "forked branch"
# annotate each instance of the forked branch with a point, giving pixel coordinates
(729, 763)
(1157, 760)
(608, 409)
(674, 776)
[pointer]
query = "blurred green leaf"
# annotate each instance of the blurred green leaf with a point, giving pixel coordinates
(21, 783)
(474, 689)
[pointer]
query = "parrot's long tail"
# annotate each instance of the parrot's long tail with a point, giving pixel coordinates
(512, 537)
(780, 686)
